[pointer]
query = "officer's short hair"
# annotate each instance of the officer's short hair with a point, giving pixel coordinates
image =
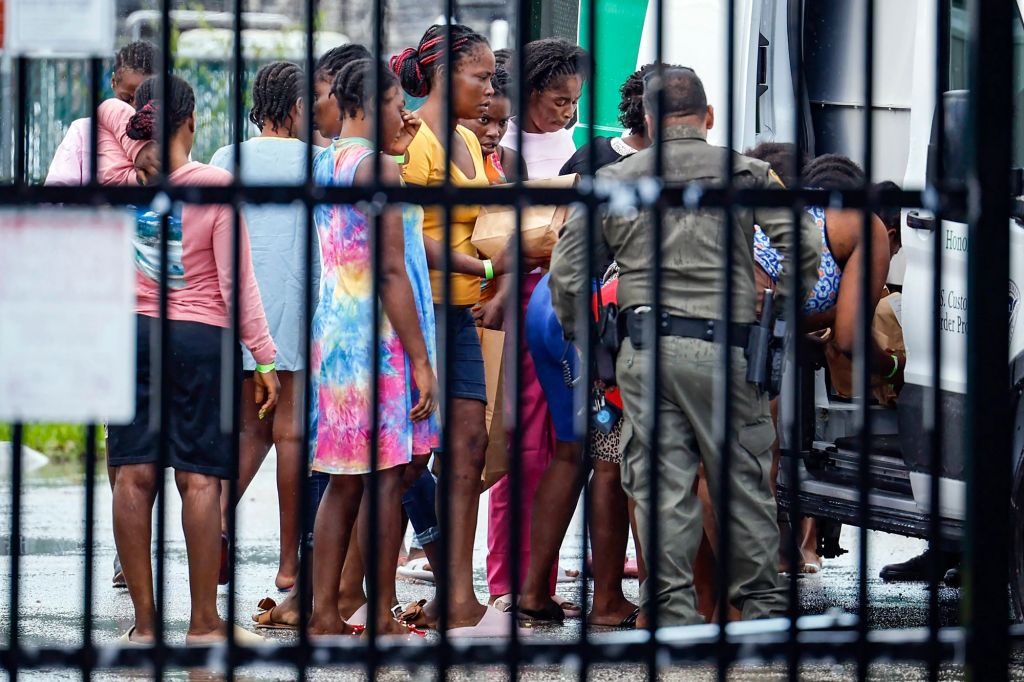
(683, 92)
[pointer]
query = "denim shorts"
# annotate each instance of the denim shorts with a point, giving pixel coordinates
(467, 363)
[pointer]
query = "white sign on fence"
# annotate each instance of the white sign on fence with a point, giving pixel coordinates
(67, 315)
(59, 27)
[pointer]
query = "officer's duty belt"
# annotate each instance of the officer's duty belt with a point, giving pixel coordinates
(687, 327)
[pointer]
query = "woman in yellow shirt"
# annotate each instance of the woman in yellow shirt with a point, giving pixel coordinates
(471, 72)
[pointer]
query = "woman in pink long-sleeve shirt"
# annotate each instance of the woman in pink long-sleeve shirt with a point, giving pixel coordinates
(200, 279)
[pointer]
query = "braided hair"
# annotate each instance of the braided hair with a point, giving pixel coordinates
(139, 56)
(277, 88)
(354, 89)
(833, 171)
(332, 61)
(416, 66)
(182, 104)
(631, 106)
(780, 156)
(550, 59)
(501, 81)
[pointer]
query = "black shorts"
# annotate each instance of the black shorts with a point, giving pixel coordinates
(195, 437)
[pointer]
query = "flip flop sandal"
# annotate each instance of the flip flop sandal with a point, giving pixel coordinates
(503, 603)
(358, 617)
(551, 613)
(809, 568)
(570, 609)
(630, 620)
(414, 615)
(264, 619)
(494, 623)
(417, 569)
(127, 642)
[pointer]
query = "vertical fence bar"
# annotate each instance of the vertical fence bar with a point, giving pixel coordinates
(303, 580)
(21, 135)
(446, 358)
(725, 416)
(231, 365)
(934, 422)
(865, 315)
(89, 537)
(588, 464)
(657, 224)
(14, 639)
(989, 420)
(164, 345)
(371, 557)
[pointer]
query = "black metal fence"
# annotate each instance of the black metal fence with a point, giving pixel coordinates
(983, 642)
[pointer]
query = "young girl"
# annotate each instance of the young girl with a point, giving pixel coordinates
(202, 250)
(341, 415)
(326, 116)
(422, 72)
(499, 162)
(278, 234)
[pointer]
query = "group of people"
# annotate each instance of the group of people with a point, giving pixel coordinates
(397, 424)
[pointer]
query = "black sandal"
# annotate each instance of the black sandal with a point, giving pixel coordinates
(552, 613)
(630, 620)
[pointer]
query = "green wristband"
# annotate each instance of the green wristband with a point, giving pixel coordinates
(895, 366)
(488, 270)
(263, 369)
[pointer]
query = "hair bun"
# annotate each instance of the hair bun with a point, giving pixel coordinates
(406, 66)
(142, 125)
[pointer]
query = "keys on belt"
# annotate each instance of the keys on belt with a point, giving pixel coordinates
(638, 322)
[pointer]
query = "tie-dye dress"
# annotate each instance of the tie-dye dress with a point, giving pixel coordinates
(342, 334)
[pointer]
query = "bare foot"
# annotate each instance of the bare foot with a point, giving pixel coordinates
(465, 615)
(324, 628)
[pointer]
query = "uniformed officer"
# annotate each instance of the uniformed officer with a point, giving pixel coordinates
(692, 254)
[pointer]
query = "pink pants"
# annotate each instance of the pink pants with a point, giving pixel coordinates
(536, 452)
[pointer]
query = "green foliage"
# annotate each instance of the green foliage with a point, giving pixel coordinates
(59, 442)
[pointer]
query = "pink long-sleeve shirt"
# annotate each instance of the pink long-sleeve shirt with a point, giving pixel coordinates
(202, 291)
(206, 255)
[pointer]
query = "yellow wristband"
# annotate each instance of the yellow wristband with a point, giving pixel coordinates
(488, 270)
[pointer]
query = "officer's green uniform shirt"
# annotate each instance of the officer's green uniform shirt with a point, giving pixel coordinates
(694, 240)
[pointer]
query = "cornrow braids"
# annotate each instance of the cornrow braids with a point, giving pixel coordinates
(550, 59)
(143, 125)
(353, 87)
(416, 66)
(139, 56)
(501, 81)
(833, 171)
(332, 61)
(277, 88)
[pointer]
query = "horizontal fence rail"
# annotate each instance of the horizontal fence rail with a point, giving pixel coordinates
(987, 199)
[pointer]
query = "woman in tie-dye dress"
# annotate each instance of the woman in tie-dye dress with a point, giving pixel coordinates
(342, 337)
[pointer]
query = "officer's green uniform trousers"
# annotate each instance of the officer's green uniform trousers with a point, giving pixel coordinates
(690, 386)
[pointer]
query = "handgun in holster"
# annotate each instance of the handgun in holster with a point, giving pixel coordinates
(766, 349)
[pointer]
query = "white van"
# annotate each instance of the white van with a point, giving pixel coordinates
(769, 38)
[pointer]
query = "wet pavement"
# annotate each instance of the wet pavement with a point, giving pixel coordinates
(53, 562)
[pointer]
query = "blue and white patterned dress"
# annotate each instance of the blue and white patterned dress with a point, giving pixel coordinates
(825, 293)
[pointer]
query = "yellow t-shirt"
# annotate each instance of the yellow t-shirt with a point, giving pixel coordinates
(426, 167)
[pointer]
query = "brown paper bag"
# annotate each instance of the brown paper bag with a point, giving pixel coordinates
(540, 226)
(492, 343)
(888, 333)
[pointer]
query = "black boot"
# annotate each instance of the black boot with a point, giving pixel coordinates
(916, 568)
